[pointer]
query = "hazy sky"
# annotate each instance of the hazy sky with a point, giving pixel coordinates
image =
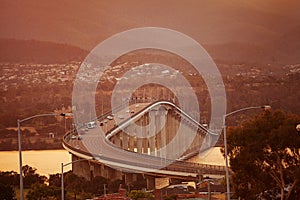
(86, 23)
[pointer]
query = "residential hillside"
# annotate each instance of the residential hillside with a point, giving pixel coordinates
(42, 82)
(255, 44)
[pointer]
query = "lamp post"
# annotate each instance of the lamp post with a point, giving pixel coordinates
(62, 174)
(19, 121)
(265, 107)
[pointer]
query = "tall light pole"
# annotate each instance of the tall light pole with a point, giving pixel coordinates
(19, 121)
(265, 107)
(62, 174)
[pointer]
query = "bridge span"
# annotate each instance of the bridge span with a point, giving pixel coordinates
(153, 139)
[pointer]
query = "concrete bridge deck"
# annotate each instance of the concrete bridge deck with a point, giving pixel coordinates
(101, 145)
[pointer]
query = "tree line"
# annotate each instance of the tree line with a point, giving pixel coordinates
(264, 155)
(39, 187)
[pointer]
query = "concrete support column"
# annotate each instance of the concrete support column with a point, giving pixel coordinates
(186, 131)
(82, 168)
(150, 183)
(139, 140)
(131, 138)
(163, 116)
(158, 135)
(114, 174)
(98, 169)
(144, 134)
(176, 143)
(117, 140)
(124, 140)
(169, 130)
(151, 132)
(130, 178)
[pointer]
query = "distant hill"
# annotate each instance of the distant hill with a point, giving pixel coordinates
(255, 32)
(31, 51)
(279, 52)
(284, 51)
(233, 31)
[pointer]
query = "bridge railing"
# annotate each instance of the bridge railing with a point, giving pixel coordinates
(175, 166)
(69, 134)
(196, 168)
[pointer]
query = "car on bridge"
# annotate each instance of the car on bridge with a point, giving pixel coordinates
(91, 125)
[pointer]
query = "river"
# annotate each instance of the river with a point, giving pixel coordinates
(45, 161)
(49, 161)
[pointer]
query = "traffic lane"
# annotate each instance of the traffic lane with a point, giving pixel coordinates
(98, 145)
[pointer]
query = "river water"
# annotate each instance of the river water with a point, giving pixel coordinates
(49, 161)
(45, 161)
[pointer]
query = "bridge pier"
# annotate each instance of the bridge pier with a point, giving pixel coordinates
(150, 180)
(151, 131)
(145, 133)
(82, 169)
(139, 141)
(125, 139)
(90, 169)
(158, 139)
(117, 140)
(131, 138)
(130, 178)
(163, 134)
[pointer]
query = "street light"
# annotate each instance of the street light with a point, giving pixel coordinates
(265, 107)
(19, 121)
(62, 174)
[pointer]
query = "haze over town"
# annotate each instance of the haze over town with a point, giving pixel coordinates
(255, 45)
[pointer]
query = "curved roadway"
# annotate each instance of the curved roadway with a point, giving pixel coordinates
(97, 146)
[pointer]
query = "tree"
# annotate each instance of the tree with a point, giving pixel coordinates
(9, 178)
(265, 156)
(6, 192)
(55, 180)
(75, 184)
(96, 186)
(38, 191)
(139, 194)
(30, 177)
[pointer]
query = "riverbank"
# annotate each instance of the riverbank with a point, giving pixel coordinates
(34, 143)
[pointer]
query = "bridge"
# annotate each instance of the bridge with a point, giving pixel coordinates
(155, 139)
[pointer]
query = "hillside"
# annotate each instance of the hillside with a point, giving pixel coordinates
(255, 44)
(31, 51)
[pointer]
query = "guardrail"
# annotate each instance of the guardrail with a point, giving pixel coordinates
(152, 105)
(173, 165)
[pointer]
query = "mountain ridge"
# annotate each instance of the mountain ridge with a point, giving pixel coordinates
(209, 22)
(33, 51)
